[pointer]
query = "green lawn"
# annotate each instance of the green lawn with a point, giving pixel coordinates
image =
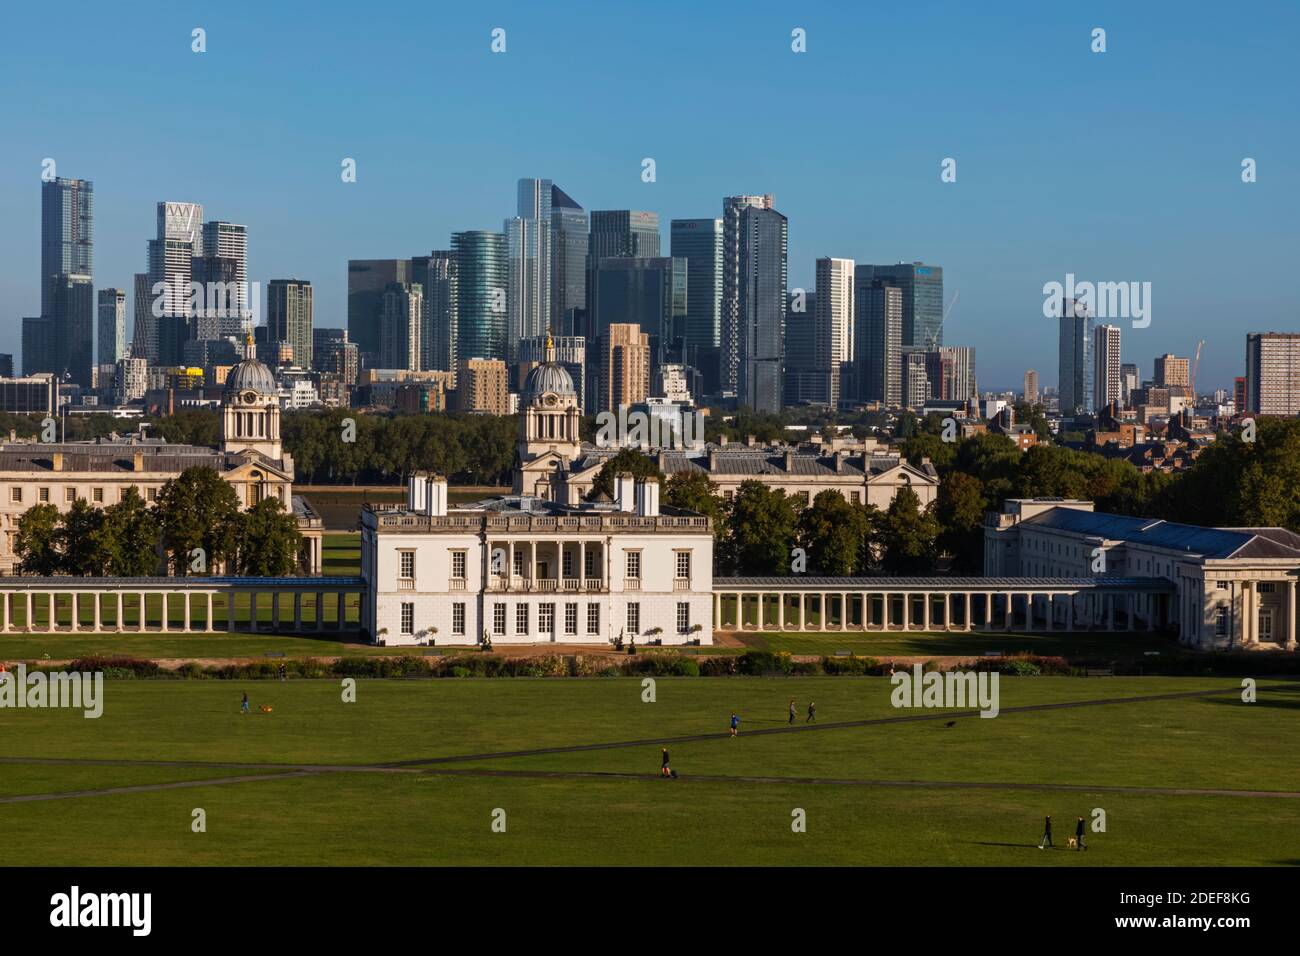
(612, 809)
(1080, 644)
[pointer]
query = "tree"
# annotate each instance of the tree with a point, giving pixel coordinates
(627, 460)
(127, 539)
(695, 491)
(908, 535)
(833, 531)
(268, 540)
(79, 540)
(198, 510)
(763, 524)
(37, 541)
(959, 510)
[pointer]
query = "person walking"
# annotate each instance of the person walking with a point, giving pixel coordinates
(1079, 830)
(243, 704)
(812, 713)
(735, 724)
(663, 770)
(792, 710)
(1047, 835)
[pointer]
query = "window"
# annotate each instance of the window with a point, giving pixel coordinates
(683, 565)
(1221, 620)
(589, 564)
(408, 618)
(634, 617)
(593, 618)
(683, 617)
(570, 619)
(521, 618)
(566, 563)
(16, 495)
(1267, 587)
(1221, 585)
(152, 494)
(458, 618)
(519, 564)
(44, 494)
(69, 495)
(546, 618)
(498, 618)
(634, 564)
(408, 564)
(458, 564)
(856, 497)
(97, 495)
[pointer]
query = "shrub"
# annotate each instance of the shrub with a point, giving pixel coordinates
(764, 663)
(116, 666)
(850, 665)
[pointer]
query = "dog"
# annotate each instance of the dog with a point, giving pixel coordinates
(265, 708)
(1072, 842)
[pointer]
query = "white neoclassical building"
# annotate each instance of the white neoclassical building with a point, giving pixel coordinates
(1231, 587)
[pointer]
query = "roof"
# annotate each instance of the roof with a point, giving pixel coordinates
(745, 460)
(118, 457)
(249, 375)
(954, 583)
(1170, 536)
(548, 377)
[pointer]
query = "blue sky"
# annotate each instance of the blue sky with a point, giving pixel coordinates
(1117, 166)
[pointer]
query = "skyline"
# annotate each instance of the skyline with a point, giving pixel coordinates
(878, 198)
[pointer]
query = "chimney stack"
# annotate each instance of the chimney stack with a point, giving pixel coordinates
(436, 496)
(625, 492)
(415, 492)
(647, 497)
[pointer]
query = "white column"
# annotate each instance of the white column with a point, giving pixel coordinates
(98, 609)
(907, 610)
(1290, 615)
(188, 611)
(31, 611)
(211, 612)
(582, 565)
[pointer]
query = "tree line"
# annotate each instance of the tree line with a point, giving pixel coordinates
(195, 525)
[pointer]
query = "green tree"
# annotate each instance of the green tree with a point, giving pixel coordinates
(127, 539)
(37, 541)
(959, 509)
(763, 525)
(834, 531)
(79, 540)
(268, 540)
(627, 460)
(198, 509)
(695, 491)
(909, 535)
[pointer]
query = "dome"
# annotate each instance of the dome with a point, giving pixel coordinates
(549, 377)
(250, 375)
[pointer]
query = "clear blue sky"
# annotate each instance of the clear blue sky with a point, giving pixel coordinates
(1116, 166)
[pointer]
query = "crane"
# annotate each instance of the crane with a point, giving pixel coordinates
(933, 342)
(1191, 384)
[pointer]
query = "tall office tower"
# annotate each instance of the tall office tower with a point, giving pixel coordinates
(699, 242)
(730, 334)
(618, 234)
(915, 380)
(480, 295)
(1107, 379)
(72, 327)
(1273, 373)
(220, 311)
(879, 345)
(6, 365)
(804, 385)
(289, 317)
(528, 241)
(1239, 394)
(834, 322)
(332, 352)
(400, 334)
(1128, 381)
(1074, 359)
(922, 287)
(956, 367)
(179, 241)
(436, 272)
(229, 240)
(112, 326)
(67, 227)
(649, 293)
(367, 281)
(1171, 370)
(624, 366)
(1031, 387)
(144, 334)
(37, 345)
(763, 245)
(570, 351)
(569, 239)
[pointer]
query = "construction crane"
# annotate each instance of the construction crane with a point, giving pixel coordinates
(933, 342)
(1191, 384)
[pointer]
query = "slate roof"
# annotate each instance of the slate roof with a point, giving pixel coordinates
(765, 461)
(954, 583)
(1213, 543)
(116, 456)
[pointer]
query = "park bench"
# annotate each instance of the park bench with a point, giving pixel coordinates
(1099, 672)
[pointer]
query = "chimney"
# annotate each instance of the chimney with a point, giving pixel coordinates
(436, 496)
(751, 441)
(137, 462)
(722, 439)
(415, 492)
(789, 461)
(647, 497)
(713, 459)
(58, 461)
(624, 492)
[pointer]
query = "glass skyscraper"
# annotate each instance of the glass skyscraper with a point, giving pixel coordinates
(367, 280)
(922, 287)
(569, 239)
(1074, 360)
(67, 227)
(289, 317)
(528, 240)
(763, 242)
(650, 293)
(699, 242)
(481, 274)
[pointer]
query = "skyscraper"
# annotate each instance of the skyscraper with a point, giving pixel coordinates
(1130, 380)
(229, 240)
(1108, 383)
(481, 269)
(172, 252)
(834, 322)
(922, 287)
(528, 240)
(804, 384)
(437, 274)
(1031, 387)
(624, 367)
(879, 346)
(400, 326)
(618, 234)
(649, 293)
(37, 345)
(144, 335)
(289, 317)
(699, 242)
(67, 227)
(1171, 370)
(915, 378)
(1273, 373)
(367, 281)
(730, 334)
(112, 326)
(763, 242)
(569, 239)
(72, 327)
(1074, 359)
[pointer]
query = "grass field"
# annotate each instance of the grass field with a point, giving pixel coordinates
(413, 771)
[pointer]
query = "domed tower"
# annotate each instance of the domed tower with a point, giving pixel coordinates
(250, 408)
(548, 424)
